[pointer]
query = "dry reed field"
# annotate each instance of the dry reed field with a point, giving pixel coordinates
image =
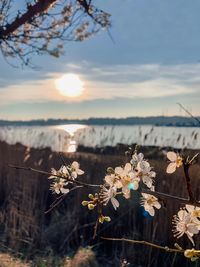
(26, 229)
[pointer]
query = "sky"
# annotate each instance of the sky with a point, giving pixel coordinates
(151, 62)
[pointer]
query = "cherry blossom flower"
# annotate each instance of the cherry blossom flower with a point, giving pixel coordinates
(58, 186)
(149, 202)
(127, 177)
(176, 161)
(136, 158)
(109, 195)
(194, 213)
(145, 173)
(127, 170)
(184, 224)
(75, 170)
(64, 176)
(62, 172)
(113, 180)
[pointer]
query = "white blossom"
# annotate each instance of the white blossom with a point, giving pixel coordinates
(58, 186)
(64, 176)
(184, 224)
(136, 158)
(145, 173)
(61, 173)
(175, 161)
(127, 178)
(194, 213)
(75, 170)
(113, 180)
(149, 202)
(109, 194)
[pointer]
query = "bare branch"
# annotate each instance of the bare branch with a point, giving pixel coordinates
(167, 249)
(49, 174)
(171, 197)
(44, 26)
(189, 113)
(38, 8)
(60, 199)
(188, 183)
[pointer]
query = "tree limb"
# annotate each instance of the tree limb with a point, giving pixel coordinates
(32, 10)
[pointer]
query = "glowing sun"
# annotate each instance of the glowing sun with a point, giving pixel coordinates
(69, 85)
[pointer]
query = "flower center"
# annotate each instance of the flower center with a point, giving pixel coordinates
(179, 162)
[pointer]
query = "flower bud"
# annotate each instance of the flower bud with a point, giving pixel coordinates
(91, 196)
(190, 253)
(101, 219)
(84, 203)
(91, 206)
(110, 170)
(107, 219)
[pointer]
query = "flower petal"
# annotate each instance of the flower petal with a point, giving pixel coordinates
(64, 190)
(127, 167)
(74, 174)
(75, 165)
(191, 239)
(144, 166)
(190, 208)
(172, 156)
(118, 170)
(171, 168)
(192, 228)
(115, 203)
(80, 172)
(64, 170)
(157, 205)
(149, 209)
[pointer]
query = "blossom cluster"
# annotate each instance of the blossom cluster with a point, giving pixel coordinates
(65, 176)
(122, 180)
(135, 175)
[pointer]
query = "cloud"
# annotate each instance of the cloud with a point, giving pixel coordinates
(109, 82)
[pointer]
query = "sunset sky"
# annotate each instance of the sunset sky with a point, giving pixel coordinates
(152, 63)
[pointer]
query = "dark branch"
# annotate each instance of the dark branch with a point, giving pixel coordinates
(32, 10)
(188, 182)
(50, 174)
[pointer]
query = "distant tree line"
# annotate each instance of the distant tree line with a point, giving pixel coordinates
(177, 121)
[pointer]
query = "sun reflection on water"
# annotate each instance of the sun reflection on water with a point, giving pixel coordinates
(71, 129)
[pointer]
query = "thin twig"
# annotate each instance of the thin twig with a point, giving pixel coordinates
(167, 196)
(188, 182)
(50, 174)
(62, 159)
(189, 113)
(95, 228)
(60, 199)
(167, 249)
(193, 159)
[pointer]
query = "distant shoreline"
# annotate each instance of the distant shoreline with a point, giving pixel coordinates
(177, 121)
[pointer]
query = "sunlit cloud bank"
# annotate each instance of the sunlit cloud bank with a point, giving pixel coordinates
(109, 82)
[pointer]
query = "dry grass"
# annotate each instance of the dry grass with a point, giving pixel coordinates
(7, 260)
(84, 257)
